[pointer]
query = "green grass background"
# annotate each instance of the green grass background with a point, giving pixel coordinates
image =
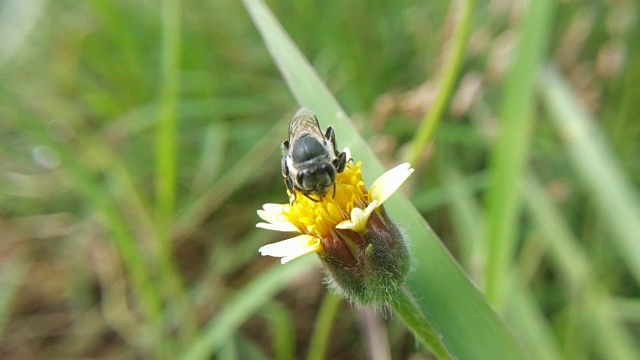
(139, 138)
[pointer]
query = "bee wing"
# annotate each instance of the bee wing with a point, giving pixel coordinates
(304, 122)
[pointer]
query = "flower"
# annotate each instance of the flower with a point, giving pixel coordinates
(363, 250)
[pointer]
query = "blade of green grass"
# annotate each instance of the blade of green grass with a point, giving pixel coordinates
(612, 341)
(565, 251)
(166, 162)
(229, 350)
(322, 332)
(510, 153)
(617, 201)
(17, 20)
(166, 133)
(246, 169)
(243, 305)
(439, 196)
(430, 122)
(468, 221)
(627, 309)
(455, 307)
(282, 330)
(212, 157)
(522, 312)
(529, 323)
(624, 113)
(94, 193)
(247, 349)
(12, 273)
(592, 305)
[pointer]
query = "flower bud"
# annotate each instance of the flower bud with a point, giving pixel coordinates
(367, 267)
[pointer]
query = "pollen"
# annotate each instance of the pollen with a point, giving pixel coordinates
(319, 218)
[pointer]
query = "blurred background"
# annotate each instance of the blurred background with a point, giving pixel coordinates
(98, 261)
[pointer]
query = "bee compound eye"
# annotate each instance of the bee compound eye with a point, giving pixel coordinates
(300, 178)
(330, 171)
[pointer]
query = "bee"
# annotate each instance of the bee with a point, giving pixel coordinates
(310, 159)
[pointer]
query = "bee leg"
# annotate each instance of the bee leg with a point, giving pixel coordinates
(292, 190)
(340, 162)
(310, 198)
(330, 135)
(285, 171)
(289, 183)
(334, 190)
(283, 164)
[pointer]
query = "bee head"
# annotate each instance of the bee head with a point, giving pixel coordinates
(317, 179)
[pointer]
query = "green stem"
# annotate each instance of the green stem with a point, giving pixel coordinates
(410, 313)
(281, 323)
(166, 160)
(166, 151)
(449, 76)
(326, 316)
(510, 153)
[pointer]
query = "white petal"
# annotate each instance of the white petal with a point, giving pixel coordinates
(271, 210)
(272, 214)
(280, 226)
(359, 218)
(389, 182)
(291, 248)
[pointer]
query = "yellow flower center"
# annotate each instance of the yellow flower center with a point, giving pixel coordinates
(319, 218)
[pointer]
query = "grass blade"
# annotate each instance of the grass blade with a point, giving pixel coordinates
(599, 170)
(282, 328)
(449, 76)
(510, 153)
(11, 276)
(321, 334)
(245, 170)
(166, 151)
(529, 323)
(243, 304)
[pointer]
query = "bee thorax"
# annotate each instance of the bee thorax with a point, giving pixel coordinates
(307, 148)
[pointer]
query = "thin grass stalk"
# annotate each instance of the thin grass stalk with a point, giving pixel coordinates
(510, 153)
(612, 340)
(244, 170)
(449, 76)
(468, 220)
(243, 305)
(12, 274)
(627, 309)
(591, 304)
(95, 194)
(617, 201)
(166, 163)
(282, 327)
(324, 322)
(529, 323)
(166, 133)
